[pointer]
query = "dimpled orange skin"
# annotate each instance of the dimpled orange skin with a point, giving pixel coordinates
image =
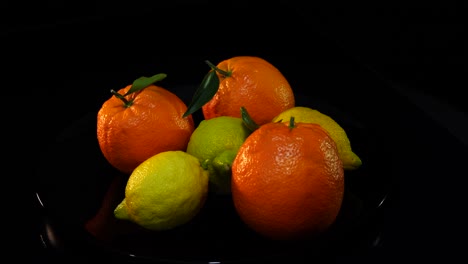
(255, 84)
(128, 136)
(288, 183)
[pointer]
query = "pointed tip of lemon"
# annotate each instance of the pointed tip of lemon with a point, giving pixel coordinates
(120, 212)
(351, 161)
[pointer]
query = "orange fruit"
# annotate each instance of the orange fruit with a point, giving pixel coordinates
(288, 181)
(251, 82)
(150, 124)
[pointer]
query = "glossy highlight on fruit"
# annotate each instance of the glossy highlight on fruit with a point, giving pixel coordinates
(253, 83)
(145, 123)
(164, 192)
(288, 181)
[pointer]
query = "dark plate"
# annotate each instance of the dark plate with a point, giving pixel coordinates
(78, 191)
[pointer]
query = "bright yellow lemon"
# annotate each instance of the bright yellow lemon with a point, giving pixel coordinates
(165, 191)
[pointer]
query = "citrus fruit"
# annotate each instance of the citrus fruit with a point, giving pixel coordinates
(253, 83)
(134, 127)
(350, 160)
(215, 143)
(164, 192)
(288, 181)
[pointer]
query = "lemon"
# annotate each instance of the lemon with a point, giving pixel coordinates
(215, 143)
(165, 191)
(350, 160)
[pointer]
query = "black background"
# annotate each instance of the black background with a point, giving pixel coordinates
(55, 53)
(417, 46)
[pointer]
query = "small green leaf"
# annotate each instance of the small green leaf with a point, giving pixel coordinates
(248, 121)
(292, 124)
(143, 82)
(207, 89)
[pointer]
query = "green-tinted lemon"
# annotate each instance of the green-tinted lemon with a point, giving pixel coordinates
(350, 160)
(215, 143)
(165, 191)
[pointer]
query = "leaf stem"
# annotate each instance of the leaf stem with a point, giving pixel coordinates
(212, 66)
(121, 97)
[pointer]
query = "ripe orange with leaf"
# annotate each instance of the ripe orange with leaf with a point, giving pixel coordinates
(288, 180)
(141, 120)
(248, 81)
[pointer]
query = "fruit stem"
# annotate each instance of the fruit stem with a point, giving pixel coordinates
(291, 123)
(212, 66)
(121, 97)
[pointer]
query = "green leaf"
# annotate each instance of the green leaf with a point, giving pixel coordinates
(207, 89)
(248, 121)
(292, 124)
(144, 82)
